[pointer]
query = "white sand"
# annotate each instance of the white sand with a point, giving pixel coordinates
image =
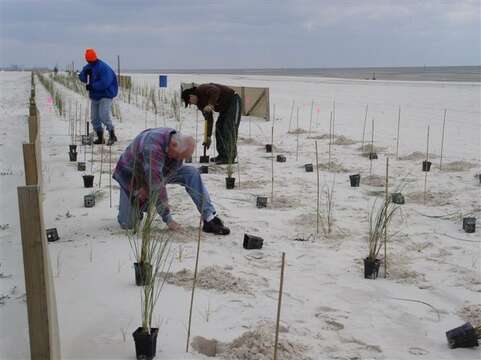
(330, 310)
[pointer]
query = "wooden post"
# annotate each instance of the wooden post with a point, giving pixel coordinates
(195, 279)
(364, 128)
(372, 147)
(290, 117)
(297, 136)
(397, 137)
(442, 141)
(41, 304)
(330, 142)
(30, 164)
(272, 165)
(318, 190)
(385, 217)
(310, 120)
(279, 303)
(426, 173)
(32, 128)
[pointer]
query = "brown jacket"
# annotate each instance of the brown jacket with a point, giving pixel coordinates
(220, 96)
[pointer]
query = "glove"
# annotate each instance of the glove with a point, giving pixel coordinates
(207, 142)
(88, 87)
(88, 72)
(208, 108)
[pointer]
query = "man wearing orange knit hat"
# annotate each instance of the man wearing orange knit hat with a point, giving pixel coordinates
(102, 87)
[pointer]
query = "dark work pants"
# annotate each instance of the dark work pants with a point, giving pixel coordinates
(227, 129)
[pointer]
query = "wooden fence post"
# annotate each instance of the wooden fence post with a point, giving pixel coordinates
(41, 305)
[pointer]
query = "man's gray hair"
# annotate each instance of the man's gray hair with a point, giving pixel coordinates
(183, 143)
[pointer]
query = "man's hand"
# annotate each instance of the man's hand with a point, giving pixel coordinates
(88, 87)
(207, 142)
(174, 226)
(88, 72)
(208, 108)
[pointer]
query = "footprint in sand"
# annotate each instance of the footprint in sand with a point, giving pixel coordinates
(418, 351)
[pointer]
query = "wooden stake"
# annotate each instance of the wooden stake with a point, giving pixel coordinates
(272, 166)
(292, 113)
(318, 190)
(195, 279)
(397, 137)
(279, 303)
(426, 172)
(385, 218)
(330, 142)
(297, 136)
(196, 131)
(101, 164)
(372, 147)
(442, 141)
(364, 127)
(110, 172)
(310, 121)
(92, 158)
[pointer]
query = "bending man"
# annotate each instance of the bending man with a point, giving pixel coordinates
(154, 159)
(222, 99)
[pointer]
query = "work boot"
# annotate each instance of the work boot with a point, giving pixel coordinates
(215, 226)
(100, 138)
(112, 137)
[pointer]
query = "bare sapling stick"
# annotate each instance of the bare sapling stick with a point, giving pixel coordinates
(91, 157)
(195, 278)
(364, 127)
(318, 191)
(310, 120)
(297, 136)
(330, 142)
(386, 202)
(279, 304)
(426, 172)
(397, 136)
(292, 113)
(272, 166)
(442, 141)
(196, 131)
(372, 147)
(333, 118)
(101, 164)
(110, 177)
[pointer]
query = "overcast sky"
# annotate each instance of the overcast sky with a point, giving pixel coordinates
(241, 33)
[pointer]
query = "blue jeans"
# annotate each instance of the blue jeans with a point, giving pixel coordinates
(100, 114)
(186, 176)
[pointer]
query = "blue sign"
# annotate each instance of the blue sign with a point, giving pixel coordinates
(163, 81)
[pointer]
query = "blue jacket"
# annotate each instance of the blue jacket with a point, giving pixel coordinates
(103, 80)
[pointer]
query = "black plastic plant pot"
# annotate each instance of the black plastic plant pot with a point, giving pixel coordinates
(281, 158)
(204, 159)
(464, 336)
(229, 182)
(80, 166)
(252, 242)
(143, 272)
(397, 198)
(72, 156)
(88, 181)
(372, 156)
(268, 148)
(145, 344)
(309, 167)
(355, 180)
(52, 235)
(86, 140)
(371, 268)
(261, 202)
(426, 165)
(89, 200)
(469, 224)
(72, 148)
(204, 169)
